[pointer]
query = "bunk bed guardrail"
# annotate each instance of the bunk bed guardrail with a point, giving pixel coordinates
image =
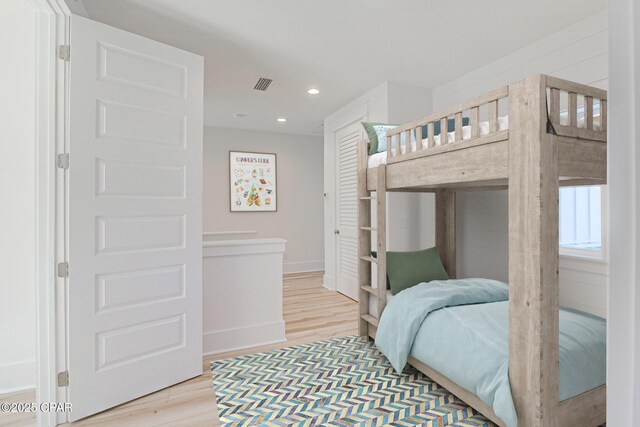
(573, 110)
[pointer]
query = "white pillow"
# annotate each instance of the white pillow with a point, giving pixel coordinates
(381, 132)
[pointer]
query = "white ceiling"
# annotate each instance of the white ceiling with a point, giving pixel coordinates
(342, 47)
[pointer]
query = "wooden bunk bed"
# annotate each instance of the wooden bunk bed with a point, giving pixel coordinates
(544, 147)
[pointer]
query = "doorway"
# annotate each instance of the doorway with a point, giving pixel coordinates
(118, 142)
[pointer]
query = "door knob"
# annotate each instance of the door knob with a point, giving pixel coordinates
(336, 231)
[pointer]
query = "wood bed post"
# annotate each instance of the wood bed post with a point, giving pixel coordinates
(533, 257)
(364, 238)
(381, 219)
(446, 229)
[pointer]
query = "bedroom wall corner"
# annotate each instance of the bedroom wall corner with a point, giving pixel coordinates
(390, 102)
(18, 215)
(77, 7)
(299, 217)
(410, 216)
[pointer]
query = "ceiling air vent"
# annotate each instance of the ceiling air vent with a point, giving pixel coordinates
(263, 84)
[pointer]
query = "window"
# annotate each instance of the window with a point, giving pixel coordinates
(581, 221)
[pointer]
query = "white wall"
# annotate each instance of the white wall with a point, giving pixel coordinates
(623, 375)
(17, 190)
(410, 226)
(579, 53)
(77, 7)
(299, 218)
(243, 306)
(390, 102)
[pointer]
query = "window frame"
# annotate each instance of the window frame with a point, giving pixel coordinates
(601, 255)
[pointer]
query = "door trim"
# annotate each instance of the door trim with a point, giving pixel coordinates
(51, 129)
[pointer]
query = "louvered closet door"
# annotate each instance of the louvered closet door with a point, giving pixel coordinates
(347, 140)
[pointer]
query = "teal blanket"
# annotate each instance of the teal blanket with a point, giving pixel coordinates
(434, 322)
(403, 316)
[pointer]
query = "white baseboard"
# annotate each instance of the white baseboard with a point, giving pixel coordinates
(17, 376)
(239, 338)
(303, 267)
(329, 282)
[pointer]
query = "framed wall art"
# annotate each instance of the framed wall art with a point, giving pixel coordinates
(252, 179)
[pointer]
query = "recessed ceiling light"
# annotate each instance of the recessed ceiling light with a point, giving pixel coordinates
(239, 115)
(313, 91)
(281, 119)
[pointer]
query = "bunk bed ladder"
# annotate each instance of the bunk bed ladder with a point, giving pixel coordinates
(367, 324)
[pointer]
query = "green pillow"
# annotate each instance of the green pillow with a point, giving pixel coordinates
(373, 136)
(407, 269)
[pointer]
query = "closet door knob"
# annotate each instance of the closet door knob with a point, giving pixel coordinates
(336, 231)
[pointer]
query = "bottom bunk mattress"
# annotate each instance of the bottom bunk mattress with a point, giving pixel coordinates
(460, 329)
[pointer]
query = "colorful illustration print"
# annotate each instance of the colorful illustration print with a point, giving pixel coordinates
(253, 181)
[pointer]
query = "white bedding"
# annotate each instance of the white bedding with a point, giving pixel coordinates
(378, 159)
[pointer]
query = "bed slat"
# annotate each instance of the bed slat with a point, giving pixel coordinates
(458, 125)
(368, 289)
(588, 112)
(444, 134)
(407, 141)
(370, 319)
(430, 140)
(555, 106)
(475, 122)
(573, 109)
(493, 116)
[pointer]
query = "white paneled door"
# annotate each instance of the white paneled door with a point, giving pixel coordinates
(347, 140)
(134, 217)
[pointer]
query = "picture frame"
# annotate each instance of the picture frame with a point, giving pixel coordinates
(253, 179)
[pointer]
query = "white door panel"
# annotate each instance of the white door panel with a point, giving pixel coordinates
(134, 217)
(347, 140)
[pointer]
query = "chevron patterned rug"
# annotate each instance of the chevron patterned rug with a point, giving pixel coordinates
(338, 382)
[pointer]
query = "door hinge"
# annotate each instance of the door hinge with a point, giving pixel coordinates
(63, 269)
(64, 52)
(63, 379)
(63, 161)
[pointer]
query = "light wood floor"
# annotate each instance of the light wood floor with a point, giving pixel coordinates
(311, 313)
